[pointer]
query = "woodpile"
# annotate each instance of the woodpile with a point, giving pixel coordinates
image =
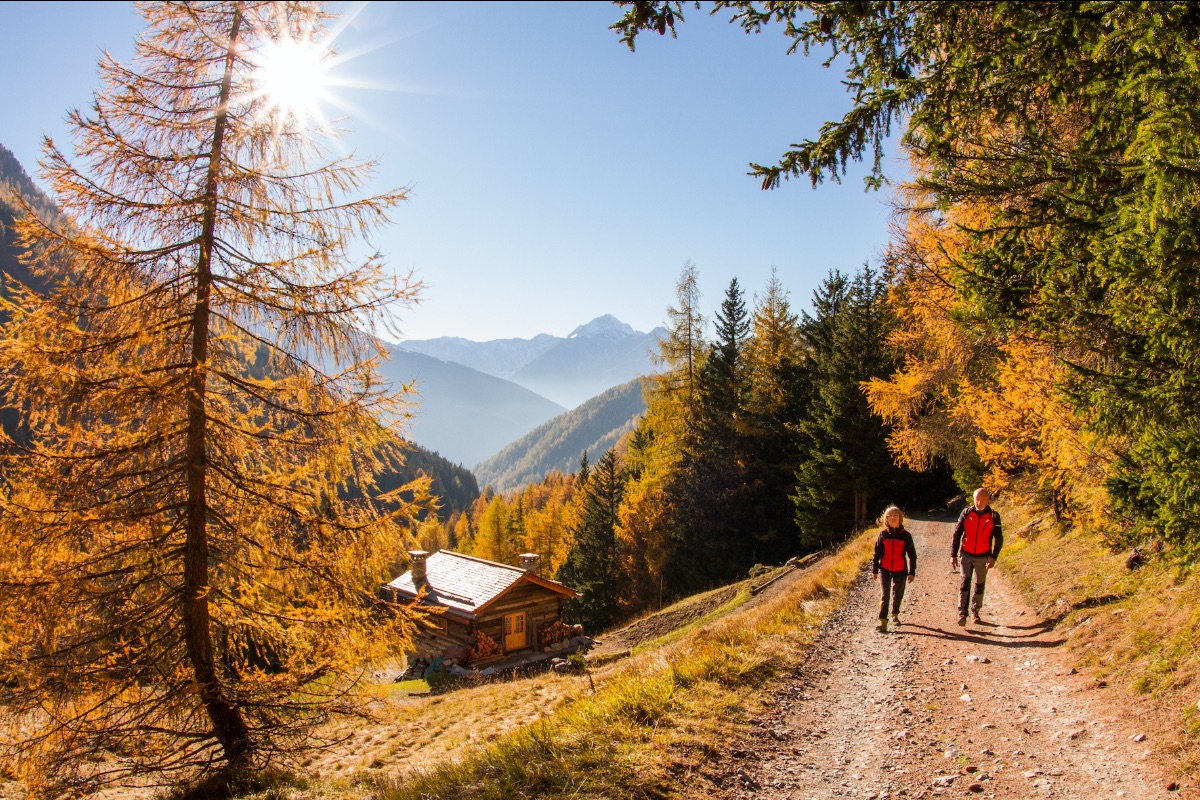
(482, 646)
(554, 631)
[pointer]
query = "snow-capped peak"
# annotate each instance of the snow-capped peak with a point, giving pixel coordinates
(606, 325)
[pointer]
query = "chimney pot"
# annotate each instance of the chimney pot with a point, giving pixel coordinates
(418, 566)
(529, 562)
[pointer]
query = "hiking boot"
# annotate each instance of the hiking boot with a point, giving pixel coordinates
(882, 627)
(975, 618)
(962, 620)
(895, 619)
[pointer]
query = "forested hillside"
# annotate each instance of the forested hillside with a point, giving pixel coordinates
(1042, 280)
(757, 444)
(16, 188)
(593, 427)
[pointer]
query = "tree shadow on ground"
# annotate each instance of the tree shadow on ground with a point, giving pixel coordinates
(1049, 623)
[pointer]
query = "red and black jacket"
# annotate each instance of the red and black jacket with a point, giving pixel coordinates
(894, 552)
(978, 533)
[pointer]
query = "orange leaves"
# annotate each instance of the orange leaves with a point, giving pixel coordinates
(988, 401)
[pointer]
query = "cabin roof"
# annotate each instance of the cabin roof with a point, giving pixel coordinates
(467, 585)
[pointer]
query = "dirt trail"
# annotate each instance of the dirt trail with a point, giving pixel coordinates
(932, 709)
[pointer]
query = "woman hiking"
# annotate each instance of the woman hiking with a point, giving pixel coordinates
(896, 560)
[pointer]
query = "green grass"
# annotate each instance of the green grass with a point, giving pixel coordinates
(734, 603)
(1134, 628)
(656, 719)
(414, 686)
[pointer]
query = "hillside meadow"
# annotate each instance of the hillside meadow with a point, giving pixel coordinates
(654, 724)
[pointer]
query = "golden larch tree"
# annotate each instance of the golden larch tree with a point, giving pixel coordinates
(191, 539)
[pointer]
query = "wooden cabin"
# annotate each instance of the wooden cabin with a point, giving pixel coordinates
(488, 610)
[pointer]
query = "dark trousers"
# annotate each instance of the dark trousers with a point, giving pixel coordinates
(968, 565)
(893, 584)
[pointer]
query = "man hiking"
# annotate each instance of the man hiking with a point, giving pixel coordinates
(976, 545)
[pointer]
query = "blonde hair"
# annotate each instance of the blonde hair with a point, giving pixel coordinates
(888, 512)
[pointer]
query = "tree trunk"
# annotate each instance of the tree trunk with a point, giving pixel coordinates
(229, 727)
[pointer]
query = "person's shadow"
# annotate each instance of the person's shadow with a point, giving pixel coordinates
(1023, 640)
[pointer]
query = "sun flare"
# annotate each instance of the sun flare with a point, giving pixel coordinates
(292, 76)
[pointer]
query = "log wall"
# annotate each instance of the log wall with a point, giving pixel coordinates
(432, 641)
(540, 606)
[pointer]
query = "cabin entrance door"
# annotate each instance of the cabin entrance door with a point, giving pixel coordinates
(515, 636)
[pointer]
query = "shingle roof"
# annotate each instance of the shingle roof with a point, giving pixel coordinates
(465, 583)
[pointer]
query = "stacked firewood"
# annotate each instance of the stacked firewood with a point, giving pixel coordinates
(482, 646)
(554, 631)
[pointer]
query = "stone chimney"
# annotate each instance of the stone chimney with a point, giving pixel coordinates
(418, 566)
(529, 562)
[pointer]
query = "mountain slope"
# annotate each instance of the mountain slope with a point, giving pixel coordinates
(15, 185)
(464, 414)
(592, 359)
(594, 426)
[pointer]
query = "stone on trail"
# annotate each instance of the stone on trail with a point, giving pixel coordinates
(746, 780)
(1138, 737)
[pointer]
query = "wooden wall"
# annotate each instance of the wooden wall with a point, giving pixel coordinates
(539, 604)
(432, 641)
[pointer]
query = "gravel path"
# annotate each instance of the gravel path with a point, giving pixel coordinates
(931, 709)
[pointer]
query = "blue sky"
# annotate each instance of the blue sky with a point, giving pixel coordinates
(555, 176)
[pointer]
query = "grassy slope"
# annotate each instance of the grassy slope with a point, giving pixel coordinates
(648, 726)
(655, 725)
(1138, 631)
(656, 722)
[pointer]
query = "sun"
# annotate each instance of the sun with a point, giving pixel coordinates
(293, 77)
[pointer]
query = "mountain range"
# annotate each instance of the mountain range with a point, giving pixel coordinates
(475, 400)
(569, 370)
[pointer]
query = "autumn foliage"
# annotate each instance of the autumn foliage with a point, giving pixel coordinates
(190, 533)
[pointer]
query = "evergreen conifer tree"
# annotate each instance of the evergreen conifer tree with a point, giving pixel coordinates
(845, 466)
(776, 404)
(716, 507)
(591, 565)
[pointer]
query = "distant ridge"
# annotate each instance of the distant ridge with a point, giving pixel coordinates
(594, 426)
(569, 370)
(498, 357)
(464, 414)
(16, 185)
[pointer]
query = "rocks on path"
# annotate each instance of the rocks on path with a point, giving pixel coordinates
(930, 709)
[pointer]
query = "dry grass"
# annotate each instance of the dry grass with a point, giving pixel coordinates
(653, 728)
(1138, 629)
